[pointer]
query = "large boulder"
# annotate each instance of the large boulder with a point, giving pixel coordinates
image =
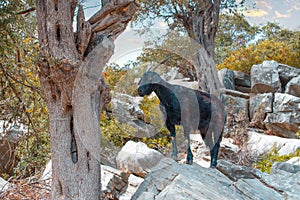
(293, 87)
(287, 73)
(260, 105)
(127, 110)
(294, 161)
(114, 182)
(259, 144)
(284, 178)
(170, 180)
(242, 82)
(226, 77)
(133, 183)
(137, 158)
(265, 78)
(285, 118)
(236, 109)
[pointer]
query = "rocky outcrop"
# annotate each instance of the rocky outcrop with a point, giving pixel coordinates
(226, 77)
(260, 144)
(236, 109)
(242, 82)
(260, 105)
(293, 87)
(133, 183)
(137, 158)
(284, 120)
(126, 109)
(170, 180)
(269, 108)
(114, 182)
(287, 73)
(265, 78)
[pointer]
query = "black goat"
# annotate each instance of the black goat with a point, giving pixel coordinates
(193, 109)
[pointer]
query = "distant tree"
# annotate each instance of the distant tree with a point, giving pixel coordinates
(243, 58)
(234, 32)
(200, 20)
(272, 31)
(273, 43)
(69, 69)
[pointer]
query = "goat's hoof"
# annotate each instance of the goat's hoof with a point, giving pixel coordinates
(175, 158)
(189, 162)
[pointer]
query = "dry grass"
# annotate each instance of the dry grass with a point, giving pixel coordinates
(26, 190)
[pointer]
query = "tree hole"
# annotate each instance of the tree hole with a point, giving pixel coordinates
(58, 34)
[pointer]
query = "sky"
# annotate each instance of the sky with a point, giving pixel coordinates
(284, 12)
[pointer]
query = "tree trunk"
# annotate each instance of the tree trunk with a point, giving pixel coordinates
(70, 75)
(201, 25)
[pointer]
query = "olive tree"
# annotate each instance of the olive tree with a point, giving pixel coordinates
(199, 19)
(69, 69)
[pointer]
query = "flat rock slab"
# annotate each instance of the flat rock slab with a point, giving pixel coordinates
(170, 180)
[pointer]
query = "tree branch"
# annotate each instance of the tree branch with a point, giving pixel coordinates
(84, 32)
(26, 11)
(114, 15)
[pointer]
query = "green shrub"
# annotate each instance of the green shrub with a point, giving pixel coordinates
(265, 164)
(298, 134)
(112, 130)
(33, 153)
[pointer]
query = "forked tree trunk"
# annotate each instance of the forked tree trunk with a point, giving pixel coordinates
(70, 69)
(201, 24)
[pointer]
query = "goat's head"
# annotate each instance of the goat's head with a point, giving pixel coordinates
(148, 82)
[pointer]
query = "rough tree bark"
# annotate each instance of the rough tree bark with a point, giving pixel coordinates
(201, 23)
(70, 69)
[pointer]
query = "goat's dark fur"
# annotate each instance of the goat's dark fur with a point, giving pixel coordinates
(193, 109)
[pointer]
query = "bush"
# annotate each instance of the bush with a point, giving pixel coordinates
(265, 164)
(244, 58)
(112, 130)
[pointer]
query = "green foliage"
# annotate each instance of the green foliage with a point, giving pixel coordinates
(149, 105)
(265, 164)
(33, 153)
(242, 59)
(118, 133)
(175, 13)
(21, 99)
(112, 75)
(160, 142)
(298, 134)
(234, 32)
(273, 43)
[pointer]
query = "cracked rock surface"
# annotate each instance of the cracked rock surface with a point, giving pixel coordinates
(170, 180)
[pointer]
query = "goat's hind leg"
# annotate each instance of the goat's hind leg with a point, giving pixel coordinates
(171, 128)
(215, 150)
(189, 158)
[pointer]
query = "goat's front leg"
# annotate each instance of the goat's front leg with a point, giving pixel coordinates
(189, 158)
(171, 128)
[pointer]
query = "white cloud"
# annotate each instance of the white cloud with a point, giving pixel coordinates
(280, 15)
(255, 13)
(264, 4)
